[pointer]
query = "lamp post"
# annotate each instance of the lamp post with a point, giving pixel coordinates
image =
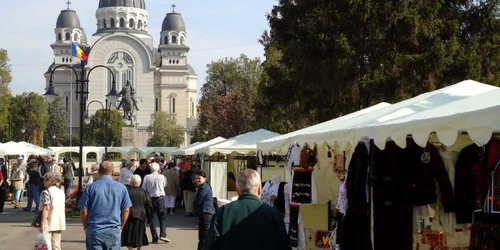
(82, 90)
(106, 120)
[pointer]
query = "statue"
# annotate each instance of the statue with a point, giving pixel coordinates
(128, 101)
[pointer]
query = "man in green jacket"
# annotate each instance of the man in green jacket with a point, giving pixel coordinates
(247, 223)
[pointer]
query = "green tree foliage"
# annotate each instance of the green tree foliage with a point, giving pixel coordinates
(164, 131)
(56, 130)
(28, 112)
(329, 58)
(229, 95)
(5, 73)
(5, 94)
(104, 130)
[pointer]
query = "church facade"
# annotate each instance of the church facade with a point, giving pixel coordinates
(161, 76)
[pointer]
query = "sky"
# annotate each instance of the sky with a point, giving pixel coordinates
(215, 29)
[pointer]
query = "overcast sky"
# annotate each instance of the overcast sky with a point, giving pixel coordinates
(215, 29)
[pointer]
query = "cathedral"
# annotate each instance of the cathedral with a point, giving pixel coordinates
(161, 76)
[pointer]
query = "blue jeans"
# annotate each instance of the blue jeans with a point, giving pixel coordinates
(158, 212)
(16, 195)
(106, 240)
(21, 195)
(34, 193)
(67, 186)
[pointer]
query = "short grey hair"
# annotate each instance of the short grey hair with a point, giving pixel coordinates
(106, 167)
(135, 180)
(155, 167)
(128, 163)
(248, 181)
(53, 177)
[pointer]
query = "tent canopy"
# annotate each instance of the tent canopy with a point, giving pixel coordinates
(352, 130)
(14, 148)
(242, 144)
(179, 151)
(280, 144)
(41, 150)
(192, 150)
(476, 115)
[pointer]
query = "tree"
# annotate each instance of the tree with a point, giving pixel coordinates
(328, 58)
(227, 105)
(164, 131)
(28, 113)
(56, 130)
(101, 132)
(5, 94)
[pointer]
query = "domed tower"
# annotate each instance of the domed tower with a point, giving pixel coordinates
(68, 29)
(122, 16)
(173, 40)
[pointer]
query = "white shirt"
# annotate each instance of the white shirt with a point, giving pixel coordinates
(125, 175)
(154, 184)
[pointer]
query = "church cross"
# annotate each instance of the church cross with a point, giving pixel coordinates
(173, 7)
(68, 3)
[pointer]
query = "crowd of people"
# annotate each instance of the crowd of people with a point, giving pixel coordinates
(116, 213)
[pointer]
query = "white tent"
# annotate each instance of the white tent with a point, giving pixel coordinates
(14, 148)
(42, 151)
(280, 144)
(345, 131)
(179, 151)
(192, 150)
(477, 115)
(242, 144)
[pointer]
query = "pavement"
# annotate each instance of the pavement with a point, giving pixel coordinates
(17, 234)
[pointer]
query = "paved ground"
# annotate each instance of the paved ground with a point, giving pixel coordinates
(17, 234)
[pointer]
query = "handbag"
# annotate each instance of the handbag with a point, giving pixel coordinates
(37, 220)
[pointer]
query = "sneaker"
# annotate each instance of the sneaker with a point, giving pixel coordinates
(165, 239)
(26, 209)
(171, 213)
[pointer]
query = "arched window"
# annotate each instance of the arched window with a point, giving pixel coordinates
(166, 39)
(122, 23)
(177, 61)
(173, 105)
(157, 104)
(123, 67)
(104, 23)
(75, 38)
(59, 37)
(192, 109)
(131, 23)
(183, 40)
(174, 40)
(112, 23)
(67, 36)
(67, 103)
(139, 24)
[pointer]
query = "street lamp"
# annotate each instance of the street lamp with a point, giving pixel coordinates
(81, 81)
(106, 119)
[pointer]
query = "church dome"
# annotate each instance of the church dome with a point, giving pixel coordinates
(122, 3)
(68, 19)
(173, 22)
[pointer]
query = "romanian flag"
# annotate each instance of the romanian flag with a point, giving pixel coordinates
(78, 52)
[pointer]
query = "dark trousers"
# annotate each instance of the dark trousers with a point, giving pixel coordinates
(2, 199)
(67, 186)
(158, 212)
(33, 194)
(204, 221)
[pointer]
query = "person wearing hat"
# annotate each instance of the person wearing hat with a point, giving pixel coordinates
(35, 182)
(203, 205)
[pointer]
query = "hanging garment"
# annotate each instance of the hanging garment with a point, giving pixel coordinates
(302, 186)
(355, 226)
(326, 182)
(342, 203)
(485, 231)
(441, 221)
(423, 176)
(270, 193)
(296, 229)
(308, 157)
(465, 183)
(292, 157)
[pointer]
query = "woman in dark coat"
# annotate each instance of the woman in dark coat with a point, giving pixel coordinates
(203, 204)
(141, 212)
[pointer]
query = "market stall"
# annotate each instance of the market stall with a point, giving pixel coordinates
(241, 145)
(361, 208)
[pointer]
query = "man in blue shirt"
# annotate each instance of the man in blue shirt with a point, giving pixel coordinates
(104, 209)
